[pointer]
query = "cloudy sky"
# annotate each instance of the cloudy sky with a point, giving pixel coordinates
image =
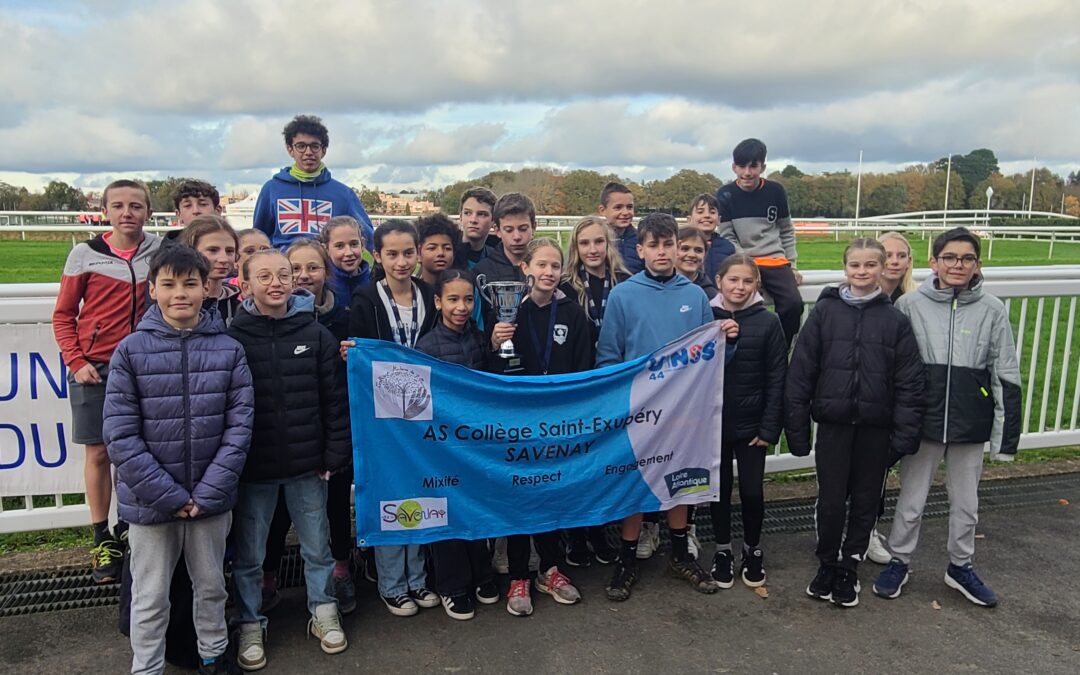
(420, 93)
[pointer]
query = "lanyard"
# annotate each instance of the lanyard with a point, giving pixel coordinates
(546, 357)
(408, 337)
(596, 313)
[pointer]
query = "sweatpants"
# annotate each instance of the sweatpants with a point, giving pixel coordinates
(963, 469)
(459, 566)
(155, 550)
(779, 283)
(751, 463)
(851, 461)
(548, 547)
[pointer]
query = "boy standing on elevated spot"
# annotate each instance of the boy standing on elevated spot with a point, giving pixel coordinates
(192, 198)
(617, 205)
(754, 216)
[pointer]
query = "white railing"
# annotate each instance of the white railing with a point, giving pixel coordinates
(1043, 301)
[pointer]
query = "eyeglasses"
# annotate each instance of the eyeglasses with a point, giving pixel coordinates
(304, 147)
(267, 277)
(297, 270)
(951, 260)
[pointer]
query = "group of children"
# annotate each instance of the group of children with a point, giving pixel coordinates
(226, 401)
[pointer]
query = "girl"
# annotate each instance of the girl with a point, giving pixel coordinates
(856, 370)
(217, 241)
(690, 258)
(401, 309)
(301, 436)
(461, 567)
(896, 277)
(251, 240)
(546, 315)
(344, 242)
(753, 414)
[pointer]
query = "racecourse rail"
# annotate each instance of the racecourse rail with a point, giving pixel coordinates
(1042, 301)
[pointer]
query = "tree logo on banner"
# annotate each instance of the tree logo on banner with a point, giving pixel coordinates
(401, 391)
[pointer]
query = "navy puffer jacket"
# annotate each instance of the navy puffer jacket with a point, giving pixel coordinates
(178, 418)
(465, 349)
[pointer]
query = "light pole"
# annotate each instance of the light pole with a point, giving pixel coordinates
(989, 195)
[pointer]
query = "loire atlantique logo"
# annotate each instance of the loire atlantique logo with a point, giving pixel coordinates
(687, 481)
(401, 391)
(417, 513)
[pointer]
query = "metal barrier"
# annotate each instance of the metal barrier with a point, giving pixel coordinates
(1041, 300)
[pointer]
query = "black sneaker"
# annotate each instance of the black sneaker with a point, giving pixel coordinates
(459, 607)
(752, 566)
(424, 598)
(578, 556)
(605, 553)
(690, 570)
(106, 562)
(401, 605)
(618, 589)
(722, 572)
(487, 593)
(822, 585)
(845, 590)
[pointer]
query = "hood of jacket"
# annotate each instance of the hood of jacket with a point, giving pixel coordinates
(755, 303)
(287, 177)
(153, 322)
(966, 296)
(301, 301)
(675, 283)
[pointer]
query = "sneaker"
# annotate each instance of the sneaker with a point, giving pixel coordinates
(250, 653)
(618, 589)
(648, 540)
(459, 607)
(219, 666)
(891, 580)
(693, 546)
(845, 590)
(487, 593)
(270, 595)
(876, 551)
(690, 570)
(722, 571)
(499, 562)
(578, 556)
(401, 605)
(424, 598)
(326, 625)
(822, 585)
(518, 598)
(752, 567)
(605, 553)
(970, 585)
(106, 561)
(344, 591)
(557, 585)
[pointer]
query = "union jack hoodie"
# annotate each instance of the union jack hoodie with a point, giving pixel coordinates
(288, 207)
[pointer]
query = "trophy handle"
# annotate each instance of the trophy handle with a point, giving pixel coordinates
(481, 286)
(530, 281)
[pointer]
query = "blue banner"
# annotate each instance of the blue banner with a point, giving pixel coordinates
(444, 452)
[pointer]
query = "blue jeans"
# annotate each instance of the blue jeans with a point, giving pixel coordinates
(401, 569)
(305, 497)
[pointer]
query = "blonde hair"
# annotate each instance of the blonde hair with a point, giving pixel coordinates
(865, 244)
(613, 260)
(537, 244)
(302, 243)
(907, 284)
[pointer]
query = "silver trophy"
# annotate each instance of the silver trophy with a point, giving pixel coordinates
(505, 297)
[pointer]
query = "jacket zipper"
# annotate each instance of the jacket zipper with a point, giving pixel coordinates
(280, 408)
(858, 361)
(134, 293)
(93, 338)
(948, 368)
(187, 408)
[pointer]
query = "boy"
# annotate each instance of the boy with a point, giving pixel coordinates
(299, 200)
(643, 313)
(477, 206)
(617, 205)
(438, 235)
(704, 214)
(102, 297)
(515, 223)
(972, 397)
(754, 216)
(193, 198)
(179, 413)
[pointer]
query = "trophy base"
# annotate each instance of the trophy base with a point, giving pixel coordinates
(506, 350)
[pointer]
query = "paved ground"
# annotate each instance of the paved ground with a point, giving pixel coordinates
(1028, 556)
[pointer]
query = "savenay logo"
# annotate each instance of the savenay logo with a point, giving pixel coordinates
(686, 481)
(401, 391)
(417, 513)
(680, 358)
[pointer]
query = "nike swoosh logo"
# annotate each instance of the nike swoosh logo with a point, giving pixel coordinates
(300, 349)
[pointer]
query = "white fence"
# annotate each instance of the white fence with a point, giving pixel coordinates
(1042, 300)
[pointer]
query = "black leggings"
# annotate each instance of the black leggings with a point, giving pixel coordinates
(548, 547)
(751, 461)
(779, 283)
(338, 513)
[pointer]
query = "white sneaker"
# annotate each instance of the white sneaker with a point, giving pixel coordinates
(876, 551)
(499, 562)
(648, 541)
(250, 654)
(326, 625)
(692, 543)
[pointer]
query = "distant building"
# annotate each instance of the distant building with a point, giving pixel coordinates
(406, 205)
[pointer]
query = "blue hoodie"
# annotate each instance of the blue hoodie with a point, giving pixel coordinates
(344, 284)
(643, 314)
(288, 207)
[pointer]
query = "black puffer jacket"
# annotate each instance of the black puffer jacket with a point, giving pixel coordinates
(301, 407)
(334, 315)
(465, 349)
(368, 317)
(754, 377)
(855, 365)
